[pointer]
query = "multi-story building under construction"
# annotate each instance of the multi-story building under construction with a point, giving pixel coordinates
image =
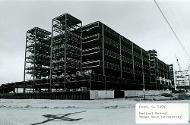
(93, 56)
(37, 57)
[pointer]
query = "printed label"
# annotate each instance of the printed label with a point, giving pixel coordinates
(162, 113)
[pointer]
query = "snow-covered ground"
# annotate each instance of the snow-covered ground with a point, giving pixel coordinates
(91, 112)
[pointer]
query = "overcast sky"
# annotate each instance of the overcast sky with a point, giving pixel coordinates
(138, 20)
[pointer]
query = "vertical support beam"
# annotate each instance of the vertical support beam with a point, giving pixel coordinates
(149, 68)
(160, 78)
(142, 65)
(34, 61)
(156, 69)
(51, 57)
(133, 63)
(65, 52)
(103, 59)
(24, 89)
(164, 79)
(81, 48)
(120, 53)
(90, 82)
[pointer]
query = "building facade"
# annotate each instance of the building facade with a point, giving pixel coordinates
(121, 64)
(37, 57)
(95, 56)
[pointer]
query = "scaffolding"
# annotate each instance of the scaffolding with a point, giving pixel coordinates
(37, 55)
(66, 49)
(94, 56)
(161, 74)
(114, 58)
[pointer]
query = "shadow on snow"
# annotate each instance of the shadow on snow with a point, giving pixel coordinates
(63, 117)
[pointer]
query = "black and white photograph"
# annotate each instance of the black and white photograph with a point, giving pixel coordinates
(94, 62)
